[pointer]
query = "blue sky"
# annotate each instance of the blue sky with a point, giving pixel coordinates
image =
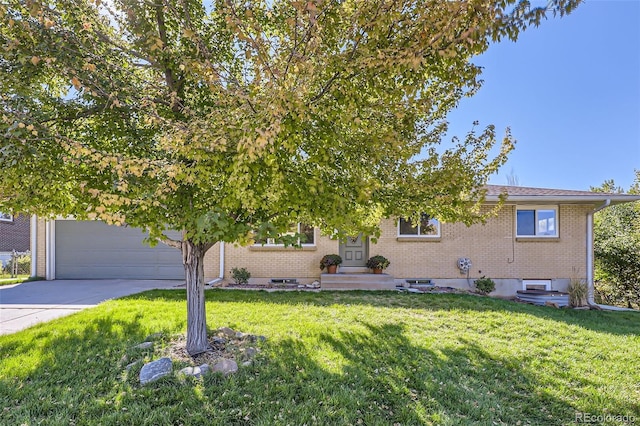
(570, 92)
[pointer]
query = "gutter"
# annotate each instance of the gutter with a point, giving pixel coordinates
(590, 263)
(221, 273)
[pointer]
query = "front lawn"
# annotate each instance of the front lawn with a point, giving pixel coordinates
(6, 279)
(332, 358)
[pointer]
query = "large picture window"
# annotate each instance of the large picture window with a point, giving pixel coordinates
(6, 217)
(427, 227)
(537, 221)
(306, 232)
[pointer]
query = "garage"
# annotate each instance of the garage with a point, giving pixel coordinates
(95, 250)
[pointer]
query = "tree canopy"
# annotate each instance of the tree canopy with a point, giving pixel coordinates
(617, 248)
(228, 118)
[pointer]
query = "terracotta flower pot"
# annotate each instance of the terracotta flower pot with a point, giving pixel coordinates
(377, 270)
(332, 269)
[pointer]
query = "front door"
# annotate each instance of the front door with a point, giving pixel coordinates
(355, 251)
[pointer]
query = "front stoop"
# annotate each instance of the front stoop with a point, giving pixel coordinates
(357, 282)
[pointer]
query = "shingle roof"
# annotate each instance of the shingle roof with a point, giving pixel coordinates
(523, 193)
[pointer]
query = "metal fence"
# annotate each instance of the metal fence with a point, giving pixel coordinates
(19, 264)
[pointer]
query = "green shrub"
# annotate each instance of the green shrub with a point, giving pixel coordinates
(378, 262)
(577, 293)
(330, 259)
(240, 275)
(485, 285)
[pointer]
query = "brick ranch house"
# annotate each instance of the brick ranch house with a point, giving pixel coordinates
(14, 235)
(540, 238)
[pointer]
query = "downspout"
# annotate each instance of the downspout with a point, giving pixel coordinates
(221, 273)
(34, 246)
(590, 263)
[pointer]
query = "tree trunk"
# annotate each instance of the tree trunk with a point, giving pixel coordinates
(193, 260)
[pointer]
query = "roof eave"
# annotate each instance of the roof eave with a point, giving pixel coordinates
(566, 199)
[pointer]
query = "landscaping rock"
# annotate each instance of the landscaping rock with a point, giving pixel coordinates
(253, 338)
(219, 340)
(227, 331)
(153, 337)
(144, 345)
(225, 366)
(249, 353)
(247, 363)
(155, 370)
(197, 371)
(240, 335)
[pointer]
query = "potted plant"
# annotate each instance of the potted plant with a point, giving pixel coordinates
(378, 263)
(331, 262)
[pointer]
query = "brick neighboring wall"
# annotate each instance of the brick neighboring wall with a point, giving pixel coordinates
(15, 235)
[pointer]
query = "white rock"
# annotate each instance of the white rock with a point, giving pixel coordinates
(197, 371)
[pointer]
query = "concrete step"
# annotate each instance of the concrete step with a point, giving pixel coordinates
(357, 282)
(353, 270)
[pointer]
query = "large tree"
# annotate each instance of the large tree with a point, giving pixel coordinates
(228, 119)
(617, 248)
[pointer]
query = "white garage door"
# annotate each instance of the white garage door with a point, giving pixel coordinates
(95, 250)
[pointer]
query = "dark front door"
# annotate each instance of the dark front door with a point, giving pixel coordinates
(355, 251)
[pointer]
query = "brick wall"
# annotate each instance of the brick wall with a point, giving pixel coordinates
(492, 247)
(212, 262)
(264, 262)
(41, 250)
(15, 235)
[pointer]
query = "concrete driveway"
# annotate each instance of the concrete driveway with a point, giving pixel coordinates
(26, 304)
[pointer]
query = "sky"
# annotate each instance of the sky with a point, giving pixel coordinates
(570, 92)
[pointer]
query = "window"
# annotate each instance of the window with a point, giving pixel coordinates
(306, 232)
(428, 227)
(536, 285)
(6, 217)
(537, 222)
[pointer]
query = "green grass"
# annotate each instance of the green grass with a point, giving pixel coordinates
(8, 279)
(331, 358)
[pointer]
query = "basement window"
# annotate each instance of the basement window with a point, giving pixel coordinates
(536, 285)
